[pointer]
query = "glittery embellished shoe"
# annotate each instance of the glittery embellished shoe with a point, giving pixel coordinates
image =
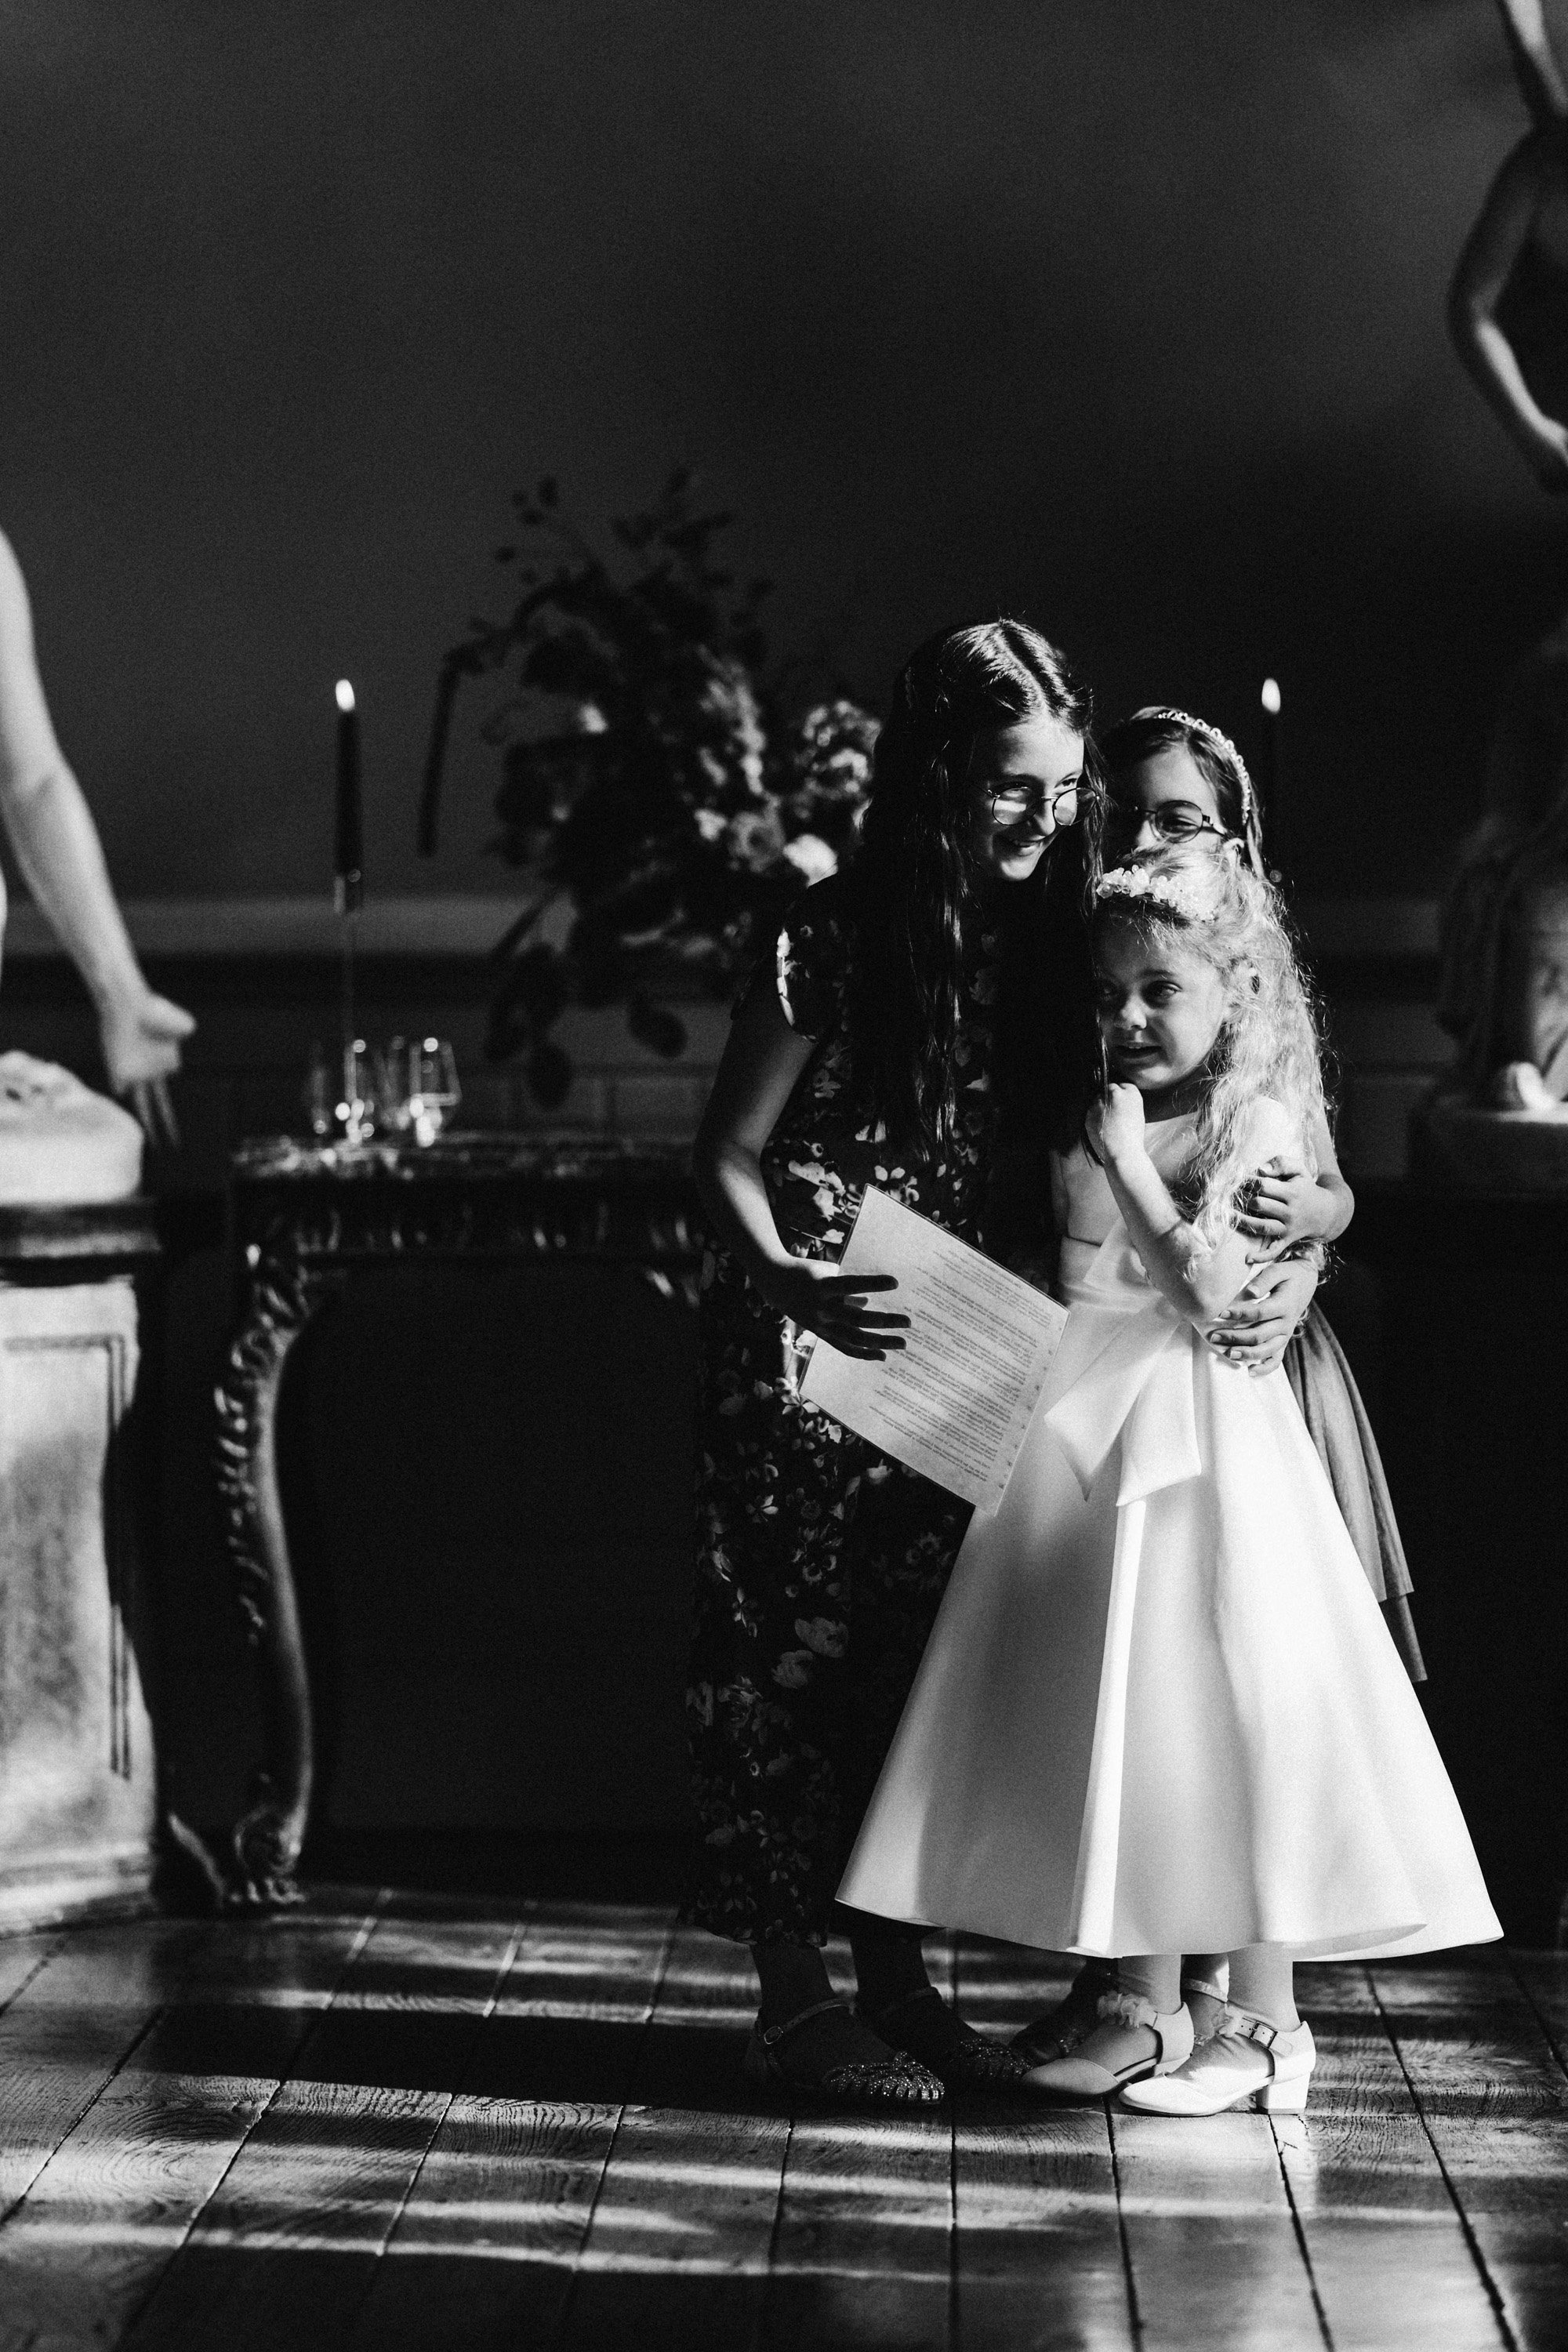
(922, 2023)
(896, 2080)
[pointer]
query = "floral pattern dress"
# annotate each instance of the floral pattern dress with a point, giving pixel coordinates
(820, 1562)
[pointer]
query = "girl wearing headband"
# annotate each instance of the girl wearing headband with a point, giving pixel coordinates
(1174, 780)
(1160, 1712)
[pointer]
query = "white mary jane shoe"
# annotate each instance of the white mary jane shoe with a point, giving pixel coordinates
(1246, 2064)
(1084, 2074)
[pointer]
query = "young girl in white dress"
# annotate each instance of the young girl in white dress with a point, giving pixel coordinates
(1160, 1711)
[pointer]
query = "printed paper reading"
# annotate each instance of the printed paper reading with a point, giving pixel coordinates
(954, 1401)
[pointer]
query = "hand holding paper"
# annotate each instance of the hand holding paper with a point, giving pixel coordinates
(821, 1297)
(955, 1400)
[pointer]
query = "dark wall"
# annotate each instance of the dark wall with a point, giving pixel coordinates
(1125, 312)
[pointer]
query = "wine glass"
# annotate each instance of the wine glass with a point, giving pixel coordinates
(356, 1107)
(433, 1089)
(392, 1086)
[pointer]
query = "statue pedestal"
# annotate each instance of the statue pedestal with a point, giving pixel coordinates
(77, 1774)
(59, 1142)
(1461, 1147)
(1473, 1294)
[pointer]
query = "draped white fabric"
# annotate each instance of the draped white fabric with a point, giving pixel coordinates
(1160, 1711)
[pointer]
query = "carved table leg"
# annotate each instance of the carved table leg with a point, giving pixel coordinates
(283, 1297)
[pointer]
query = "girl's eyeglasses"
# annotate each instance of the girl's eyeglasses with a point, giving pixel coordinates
(1171, 820)
(1014, 802)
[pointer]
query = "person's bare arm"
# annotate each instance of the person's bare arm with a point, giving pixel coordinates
(1535, 66)
(1199, 1282)
(1257, 1327)
(762, 1062)
(1293, 1210)
(1286, 1204)
(1502, 230)
(61, 859)
(1338, 1200)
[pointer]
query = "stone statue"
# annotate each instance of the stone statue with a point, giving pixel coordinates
(1505, 933)
(78, 1774)
(59, 1141)
(1504, 996)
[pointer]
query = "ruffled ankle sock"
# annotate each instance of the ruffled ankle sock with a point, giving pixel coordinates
(1119, 2040)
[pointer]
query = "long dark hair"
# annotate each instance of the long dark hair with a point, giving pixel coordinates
(914, 881)
(1157, 727)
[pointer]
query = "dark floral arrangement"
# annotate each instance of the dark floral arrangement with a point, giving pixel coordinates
(654, 787)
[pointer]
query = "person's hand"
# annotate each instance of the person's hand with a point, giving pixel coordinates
(1281, 1206)
(1116, 1125)
(142, 1035)
(818, 1298)
(1548, 455)
(1255, 1329)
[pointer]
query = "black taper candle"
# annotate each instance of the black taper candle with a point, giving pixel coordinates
(348, 846)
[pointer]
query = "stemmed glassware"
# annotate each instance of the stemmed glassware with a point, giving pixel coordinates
(359, 1104)
(409, 1086)
(433, 1089)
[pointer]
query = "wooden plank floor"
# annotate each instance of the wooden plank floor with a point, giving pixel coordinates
(392, 2121)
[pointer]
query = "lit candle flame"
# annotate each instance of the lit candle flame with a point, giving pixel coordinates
(343, 694)
(1270, 696)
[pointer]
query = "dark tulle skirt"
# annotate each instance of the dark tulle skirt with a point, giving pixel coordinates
(1336, 1420)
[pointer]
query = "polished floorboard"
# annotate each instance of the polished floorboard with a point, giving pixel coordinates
(391, 2121)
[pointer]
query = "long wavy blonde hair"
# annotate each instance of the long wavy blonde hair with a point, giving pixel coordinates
(1271, 1041)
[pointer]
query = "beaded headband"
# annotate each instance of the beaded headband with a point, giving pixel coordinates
(1220, 741)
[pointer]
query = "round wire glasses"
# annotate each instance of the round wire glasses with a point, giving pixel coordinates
(1171, 820)
(1012, 804)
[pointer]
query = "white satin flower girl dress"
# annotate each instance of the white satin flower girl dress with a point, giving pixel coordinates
(1160, 1711)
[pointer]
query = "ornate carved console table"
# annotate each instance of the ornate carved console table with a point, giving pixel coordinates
(303, 1217)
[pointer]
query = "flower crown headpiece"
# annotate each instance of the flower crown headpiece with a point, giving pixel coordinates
(1181, 895)
(1221, 742)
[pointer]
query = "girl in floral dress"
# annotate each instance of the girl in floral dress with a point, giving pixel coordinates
(943, 977)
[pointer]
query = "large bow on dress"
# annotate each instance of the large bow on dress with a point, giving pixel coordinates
(1124, 1369)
